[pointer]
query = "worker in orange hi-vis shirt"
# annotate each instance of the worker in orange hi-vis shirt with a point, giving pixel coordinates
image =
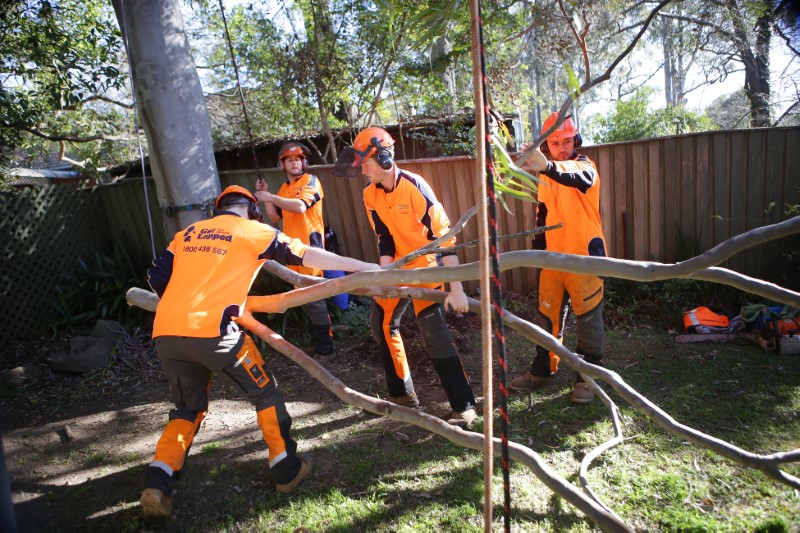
(406, 215)
(568, 195)
(299, 204)
(203, 278)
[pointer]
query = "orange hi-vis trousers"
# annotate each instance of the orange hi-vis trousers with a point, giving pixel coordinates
(385, 325)
(556, 291)
(189, 364)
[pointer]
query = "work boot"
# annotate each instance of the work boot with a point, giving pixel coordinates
(306, 464)
(322, 341)
(528, 383)
(465, 419)
(155, 503)
(582, 393)
(324, 352)
(408, 400)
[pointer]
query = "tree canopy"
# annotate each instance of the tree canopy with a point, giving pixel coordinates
(632, 119)
(61, 77)
(311, 66)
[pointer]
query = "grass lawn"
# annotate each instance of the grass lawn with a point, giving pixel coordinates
(396, 478)
(377, 474)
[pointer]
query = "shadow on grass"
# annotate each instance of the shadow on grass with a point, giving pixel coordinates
(378, 474)
(104, 503)
(735, 392)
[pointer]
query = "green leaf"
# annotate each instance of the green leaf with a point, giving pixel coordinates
(572, 80)
(510, 179)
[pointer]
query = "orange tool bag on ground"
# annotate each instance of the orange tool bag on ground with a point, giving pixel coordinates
(704, 320)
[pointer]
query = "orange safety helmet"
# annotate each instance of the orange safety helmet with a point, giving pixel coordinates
(363, 141)
(293, 148)
(253, 212)
(372, 141)
(566, 130)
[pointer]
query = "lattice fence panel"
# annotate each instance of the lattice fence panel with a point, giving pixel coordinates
(43, 232)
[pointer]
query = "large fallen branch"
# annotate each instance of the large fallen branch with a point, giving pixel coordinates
(766, 463)
(468, 439)
(700, 267)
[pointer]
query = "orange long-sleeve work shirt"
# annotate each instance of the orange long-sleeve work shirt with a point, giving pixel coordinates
(308, 227)
(203, 277)
(407, 218)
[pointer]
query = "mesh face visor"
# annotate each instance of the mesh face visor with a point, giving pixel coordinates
(349, 162)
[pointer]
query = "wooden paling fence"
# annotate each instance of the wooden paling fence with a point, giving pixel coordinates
(669, 198)
(662, 200)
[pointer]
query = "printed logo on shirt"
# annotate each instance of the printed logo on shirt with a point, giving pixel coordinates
(215, 234)
(187, 235)
(403, 208)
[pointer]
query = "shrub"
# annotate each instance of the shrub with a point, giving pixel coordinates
(96, 290)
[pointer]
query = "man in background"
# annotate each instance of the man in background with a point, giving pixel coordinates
(568, 195)
(299, 204)
(406, 215)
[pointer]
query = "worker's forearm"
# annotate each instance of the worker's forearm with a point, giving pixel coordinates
(287, 204)
(319, 258)
(448, 261)
(272, 213)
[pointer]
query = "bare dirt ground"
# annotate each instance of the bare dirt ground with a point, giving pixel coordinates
(76, 445)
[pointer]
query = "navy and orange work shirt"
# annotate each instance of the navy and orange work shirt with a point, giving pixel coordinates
(308, 227)
(407, 218)
(570, 195)
(203, 277)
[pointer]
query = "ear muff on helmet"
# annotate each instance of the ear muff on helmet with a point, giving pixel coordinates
(254, 212)
(293, 148)
(383, 155)
(544, 148)
(239, 196)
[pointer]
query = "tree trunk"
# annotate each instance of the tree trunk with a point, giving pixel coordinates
(760, 101)
(172, 108)
(443, 69)
(756, 64)
(676, 57)
(666, 47)
(679, 72)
